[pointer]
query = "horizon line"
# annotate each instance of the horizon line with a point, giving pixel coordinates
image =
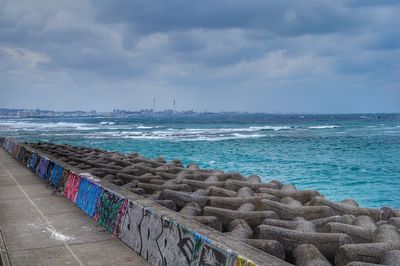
(198, 112)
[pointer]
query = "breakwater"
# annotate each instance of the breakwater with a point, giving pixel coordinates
(301, 227)
(161, 236)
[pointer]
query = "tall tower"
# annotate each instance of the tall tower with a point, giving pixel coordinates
(174, 106)
(154, 104)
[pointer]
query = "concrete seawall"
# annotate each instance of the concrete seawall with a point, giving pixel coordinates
(159, 235)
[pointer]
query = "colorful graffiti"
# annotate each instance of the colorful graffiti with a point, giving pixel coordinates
(110, 211)
(26, 157)
(21, 153)
(88, 196)
(240, 261)
(33, 161)
(55, 175)
(49, 170)
(163, 242)
(63, 181)
(72, 187)
(212, 257)
(42, 167)
(15, 150)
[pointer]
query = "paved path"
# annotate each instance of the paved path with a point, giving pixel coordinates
(40, 228)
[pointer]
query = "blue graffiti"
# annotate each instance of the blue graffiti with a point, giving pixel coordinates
(88, 195)
(42, 167)
(21, 153)
(56, 174)
(33, 160)
(49, 170)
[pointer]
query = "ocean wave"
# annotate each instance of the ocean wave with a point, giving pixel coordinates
(87, 128)
(181, 135)
(240, 129)
(107, 123)
(144, 127)
(35, 125)
(323, 127)
(275, 128)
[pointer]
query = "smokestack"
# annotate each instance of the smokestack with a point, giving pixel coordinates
(154, 104)
(174, 106)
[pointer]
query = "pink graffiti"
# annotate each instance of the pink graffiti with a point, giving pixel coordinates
(72, 187)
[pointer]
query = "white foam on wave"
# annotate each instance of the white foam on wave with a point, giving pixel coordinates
(86, 128)
(221, 138)
(190, 134)
(103, 130)
(144, 127)
(28, 125)
(246, 136)
(275, 128)
(232, 130)
(107, 123)
(181, 135)
(323, 127)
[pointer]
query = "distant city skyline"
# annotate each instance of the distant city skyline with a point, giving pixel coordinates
(37, 112)
(266, 56)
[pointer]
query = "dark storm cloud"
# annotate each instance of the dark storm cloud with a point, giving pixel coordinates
(215, 55)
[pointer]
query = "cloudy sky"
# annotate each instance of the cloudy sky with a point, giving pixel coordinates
(326, 56)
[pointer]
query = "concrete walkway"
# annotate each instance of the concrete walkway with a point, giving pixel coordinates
(38, 227)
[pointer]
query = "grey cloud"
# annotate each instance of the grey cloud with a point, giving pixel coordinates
(282, 17)
(240, 54)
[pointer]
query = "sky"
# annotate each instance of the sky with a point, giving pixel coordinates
(314, 56)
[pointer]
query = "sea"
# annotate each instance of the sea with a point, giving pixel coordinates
(343, 156)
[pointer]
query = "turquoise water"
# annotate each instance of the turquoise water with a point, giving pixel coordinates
(343, 156)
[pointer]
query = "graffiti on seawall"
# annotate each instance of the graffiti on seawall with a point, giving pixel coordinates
(42, 167)
(63, 180)
(55, 175)
(164, 242)
(88, 196)
(72, 186)
(26, 157)
(33, 161)
(110, 211)
(21, 153)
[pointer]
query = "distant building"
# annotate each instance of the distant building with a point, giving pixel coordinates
(116, 112)
(27, 114)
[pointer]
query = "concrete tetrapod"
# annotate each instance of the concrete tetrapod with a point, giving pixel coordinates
(271, 247)
(288, 212)
(327, 244)
(359, 263)
(309, 255)
(303, 196)
(391, 257)
(298, 224)
(357, 233)
(343, 208)
(386, 233)
(368, 252)
(253, 218)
